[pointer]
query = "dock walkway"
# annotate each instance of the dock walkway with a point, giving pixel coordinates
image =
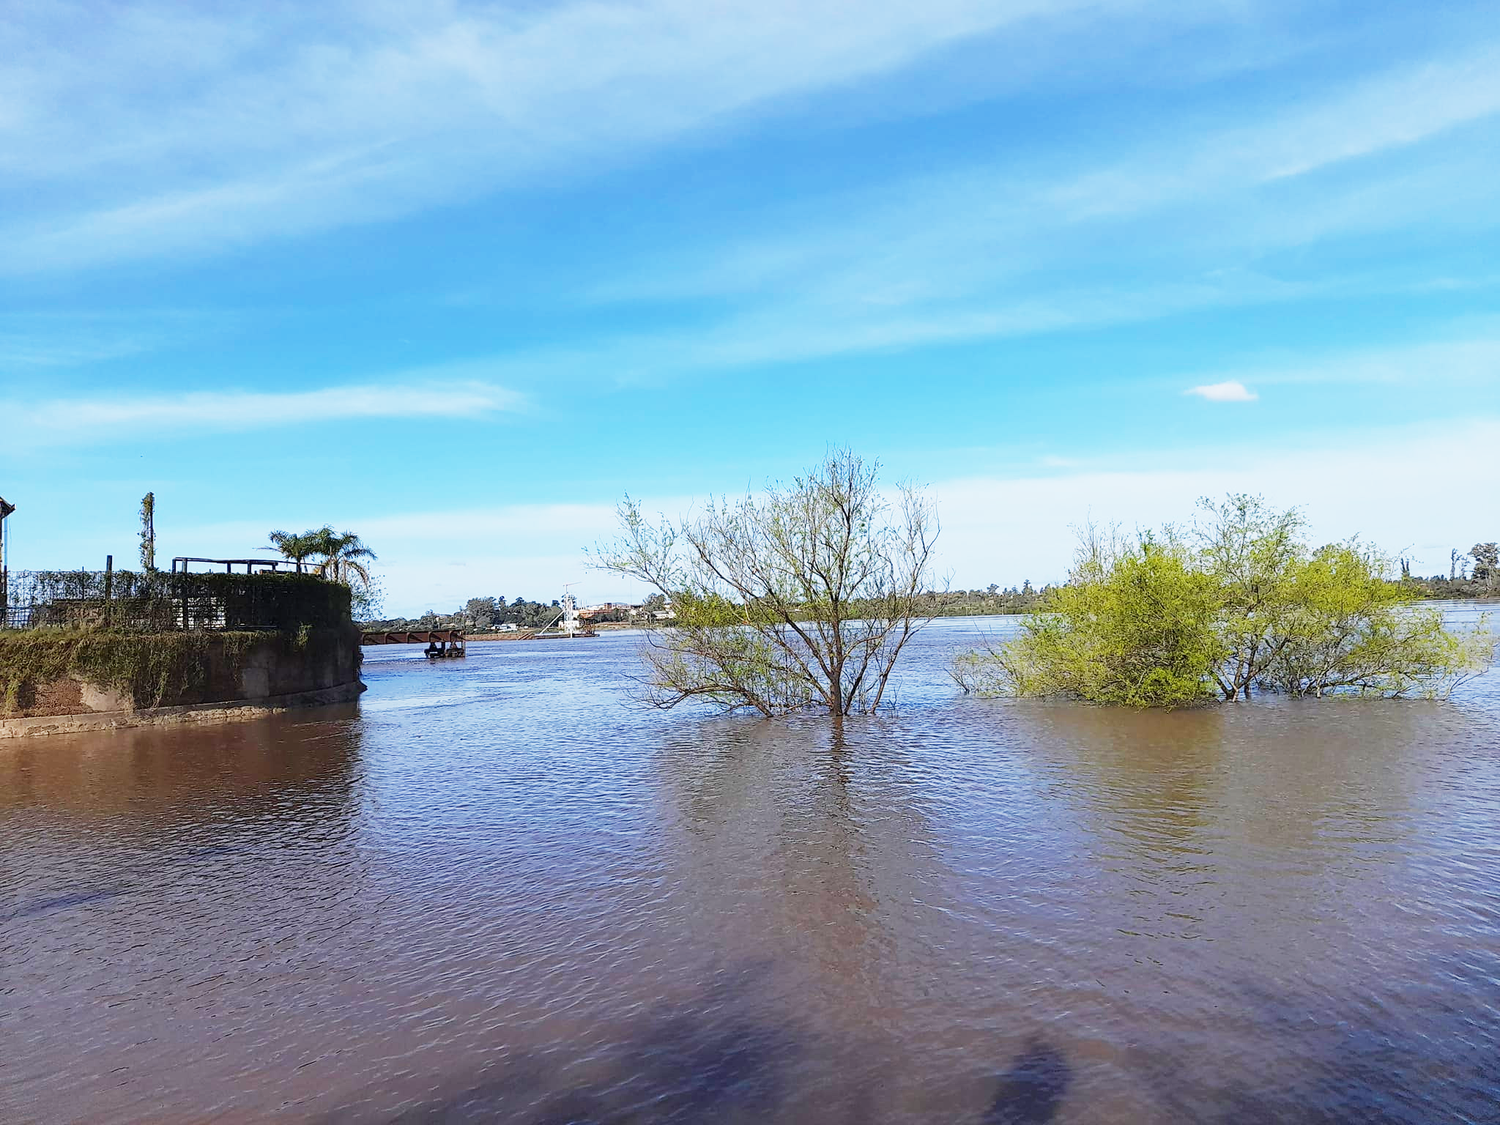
(441, 643)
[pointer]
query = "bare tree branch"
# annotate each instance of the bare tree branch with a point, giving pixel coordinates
(803, 596)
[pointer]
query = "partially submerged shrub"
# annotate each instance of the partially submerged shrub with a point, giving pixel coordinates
(1135, 626)
(1168, 621)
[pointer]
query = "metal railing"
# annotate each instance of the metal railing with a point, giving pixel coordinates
(17, 616)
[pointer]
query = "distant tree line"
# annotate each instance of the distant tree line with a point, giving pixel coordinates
(484, 613)
(981, 603)
(1474, 573)
(480, 614)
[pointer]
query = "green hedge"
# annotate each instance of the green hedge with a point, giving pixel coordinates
(158, 601)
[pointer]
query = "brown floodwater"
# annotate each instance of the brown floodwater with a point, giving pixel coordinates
(497, 890)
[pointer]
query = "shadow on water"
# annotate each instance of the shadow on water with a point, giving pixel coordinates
(45, 905)
(1323, 1060)
(681, 1074)
(704, 1061)
(708, 1061)
(1032, 1090)
(700, 1063)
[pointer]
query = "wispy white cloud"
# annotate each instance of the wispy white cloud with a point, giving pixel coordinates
(31, 351)
(1382, 111)
(394, 109)
(800, 327)
(1188, 218)
(1219, 180)
(157, 129)
(1450, 363)
(103, 418)
(1230, 391)
(1398, 108)
(179, 130)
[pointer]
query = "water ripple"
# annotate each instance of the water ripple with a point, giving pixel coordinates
(500, 891)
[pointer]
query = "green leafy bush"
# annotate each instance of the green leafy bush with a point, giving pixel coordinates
(1241, 604)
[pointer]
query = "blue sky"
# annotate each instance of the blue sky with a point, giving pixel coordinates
(456, 276)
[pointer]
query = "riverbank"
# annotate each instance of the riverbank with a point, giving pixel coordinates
(533, 634)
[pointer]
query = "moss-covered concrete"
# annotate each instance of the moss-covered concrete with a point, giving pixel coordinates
(48, 673)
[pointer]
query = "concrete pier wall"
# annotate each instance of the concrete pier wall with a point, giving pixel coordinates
(78, 683)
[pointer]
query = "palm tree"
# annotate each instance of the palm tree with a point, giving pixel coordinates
(341, 555)
(293, 546)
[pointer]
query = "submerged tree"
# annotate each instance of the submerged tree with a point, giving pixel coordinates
(1135, 625)
(1242, 604)
(802, 597)
(1352, 628)
(1251, 554)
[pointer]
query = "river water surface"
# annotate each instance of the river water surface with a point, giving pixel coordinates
(499, 890)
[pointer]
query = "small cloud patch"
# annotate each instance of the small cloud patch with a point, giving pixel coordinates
(1224, 392)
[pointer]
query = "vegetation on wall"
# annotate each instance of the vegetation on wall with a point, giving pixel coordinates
(174, 637)
(148, 532)
(341, 557)
(147, 668)
(164, 601)
(156, 636)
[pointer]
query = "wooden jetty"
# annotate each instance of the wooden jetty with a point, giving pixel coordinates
(442, 644)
